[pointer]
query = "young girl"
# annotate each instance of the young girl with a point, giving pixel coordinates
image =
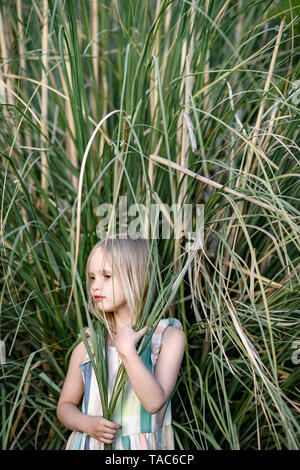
(117, 281)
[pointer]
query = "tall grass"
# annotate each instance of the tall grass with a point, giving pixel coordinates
(194, 102)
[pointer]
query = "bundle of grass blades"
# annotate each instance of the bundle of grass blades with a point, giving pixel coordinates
(194, 102)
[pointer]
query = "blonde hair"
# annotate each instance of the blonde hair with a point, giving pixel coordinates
(132, 265)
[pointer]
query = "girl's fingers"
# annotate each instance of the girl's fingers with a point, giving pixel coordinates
(106, 441)
(110, 424)
(142, 331)
(108, 432)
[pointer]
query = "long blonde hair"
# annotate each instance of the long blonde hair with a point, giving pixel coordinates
(133, 265)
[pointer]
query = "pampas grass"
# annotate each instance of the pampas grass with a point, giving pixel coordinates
(188, 102)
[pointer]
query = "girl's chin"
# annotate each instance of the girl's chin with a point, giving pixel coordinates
(104, 309)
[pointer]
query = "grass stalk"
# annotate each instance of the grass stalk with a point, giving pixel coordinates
(44, 102)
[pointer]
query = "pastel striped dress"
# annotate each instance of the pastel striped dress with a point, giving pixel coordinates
(140, 430)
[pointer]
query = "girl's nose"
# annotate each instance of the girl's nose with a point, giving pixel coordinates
(97, 286)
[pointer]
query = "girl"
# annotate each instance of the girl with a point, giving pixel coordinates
(117, 283)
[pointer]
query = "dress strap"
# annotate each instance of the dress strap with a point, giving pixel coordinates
(158, 334)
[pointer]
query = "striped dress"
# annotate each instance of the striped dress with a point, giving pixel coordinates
(140, 430)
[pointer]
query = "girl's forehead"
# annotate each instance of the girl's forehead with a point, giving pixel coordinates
(98, 261)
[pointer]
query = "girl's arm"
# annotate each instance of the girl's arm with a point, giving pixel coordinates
(67, 409)
(152, 390)
(72, 392)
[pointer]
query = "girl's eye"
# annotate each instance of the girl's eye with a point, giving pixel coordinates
(107, 276)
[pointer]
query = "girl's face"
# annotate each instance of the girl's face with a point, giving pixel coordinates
(106, 290)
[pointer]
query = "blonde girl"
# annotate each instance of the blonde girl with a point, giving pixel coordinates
(118, 278)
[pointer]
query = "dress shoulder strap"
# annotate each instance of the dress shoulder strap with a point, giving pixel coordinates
(87, 334)
(158, 334)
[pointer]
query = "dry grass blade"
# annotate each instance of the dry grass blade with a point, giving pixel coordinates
(44, 101)
(266, 88)
(80, 182)
(233, 192)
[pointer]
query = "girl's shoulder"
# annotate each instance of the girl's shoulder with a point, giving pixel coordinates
(79, 352)
(167, 327)
(169, 331)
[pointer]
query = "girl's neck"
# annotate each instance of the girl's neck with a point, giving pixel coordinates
(122, 319)
(119, 325)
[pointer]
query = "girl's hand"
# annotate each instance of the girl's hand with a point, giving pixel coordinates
(101, 429)
(127, 338)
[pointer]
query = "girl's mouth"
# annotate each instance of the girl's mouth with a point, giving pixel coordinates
(98, 298)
